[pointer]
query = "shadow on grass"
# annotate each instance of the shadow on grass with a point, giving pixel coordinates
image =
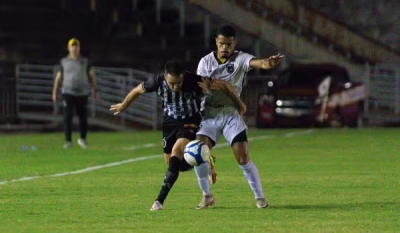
(336, 206)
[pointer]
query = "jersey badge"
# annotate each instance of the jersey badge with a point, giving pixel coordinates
(187, 95)
(230, 68)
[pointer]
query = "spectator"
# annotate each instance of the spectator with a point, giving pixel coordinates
(73, 77)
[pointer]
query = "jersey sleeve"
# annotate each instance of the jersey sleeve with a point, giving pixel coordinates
(151, 84)
(245, 59)
(202, 68)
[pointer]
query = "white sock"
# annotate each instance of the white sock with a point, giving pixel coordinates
(202, 176)
(250, 172)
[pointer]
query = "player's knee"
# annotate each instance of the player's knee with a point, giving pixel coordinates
(241, 153)
(208, 141)
(179, 147)
(240, 149)
(174, 165)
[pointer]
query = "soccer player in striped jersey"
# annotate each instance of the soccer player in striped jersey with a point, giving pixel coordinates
(222, 117)
(182, 94)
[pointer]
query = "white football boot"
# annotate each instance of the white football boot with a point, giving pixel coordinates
(156, 206)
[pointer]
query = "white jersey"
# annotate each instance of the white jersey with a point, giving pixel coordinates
(234, 71)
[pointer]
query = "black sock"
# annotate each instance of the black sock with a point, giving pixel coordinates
(170, 177)
(185, 166)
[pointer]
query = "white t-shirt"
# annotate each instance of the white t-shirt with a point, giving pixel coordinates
(234, 71)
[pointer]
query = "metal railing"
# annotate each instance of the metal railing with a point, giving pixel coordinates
(34, 85)
(7, 99)
(384, 87)
(34, 96)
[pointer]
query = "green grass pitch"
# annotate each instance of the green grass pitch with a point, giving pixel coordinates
(324, 180)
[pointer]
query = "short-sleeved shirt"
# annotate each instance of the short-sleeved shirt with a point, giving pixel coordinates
(234, 71)
(75, 76)
(178, 106)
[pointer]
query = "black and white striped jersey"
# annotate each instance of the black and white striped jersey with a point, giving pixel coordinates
(178, 105)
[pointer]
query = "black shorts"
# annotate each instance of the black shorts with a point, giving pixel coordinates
(175, 129)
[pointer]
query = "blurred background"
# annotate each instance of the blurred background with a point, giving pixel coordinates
(129, 40)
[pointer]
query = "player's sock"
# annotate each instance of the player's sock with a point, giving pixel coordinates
(170, 177)
(250, 172)
(202, 176)
(185, 166)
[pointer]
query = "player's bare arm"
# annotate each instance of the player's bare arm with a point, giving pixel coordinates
(57, 84)
(231, 93)
(132, 96)
(266, 63)
(221, 85)
(92, 79)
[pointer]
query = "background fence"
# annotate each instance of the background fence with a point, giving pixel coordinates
(384, 82)
(31, 99)
(8, 109)
(34, 97)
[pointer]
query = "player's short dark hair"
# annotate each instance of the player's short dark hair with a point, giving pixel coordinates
(226, 31)
(175, 68)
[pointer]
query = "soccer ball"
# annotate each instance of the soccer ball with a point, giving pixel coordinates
(196, 152)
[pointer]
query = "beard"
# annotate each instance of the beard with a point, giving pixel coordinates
(224, 54)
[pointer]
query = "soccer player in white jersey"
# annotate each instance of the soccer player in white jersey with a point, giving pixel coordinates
(222, 116)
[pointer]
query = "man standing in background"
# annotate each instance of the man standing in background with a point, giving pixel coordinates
(73, 77)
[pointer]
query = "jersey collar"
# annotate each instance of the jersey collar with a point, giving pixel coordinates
(219, 62)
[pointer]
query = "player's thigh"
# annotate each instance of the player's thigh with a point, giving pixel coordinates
(184, 135)
(179, 147)
(210, 128)
(233, 127)
(169, 138)
(209, 142)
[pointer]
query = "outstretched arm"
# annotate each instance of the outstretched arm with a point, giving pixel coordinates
(266, 63)
(132, 96)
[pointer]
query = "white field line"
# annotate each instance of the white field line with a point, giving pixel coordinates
(114, 164)
(145, 146)
(299, 133)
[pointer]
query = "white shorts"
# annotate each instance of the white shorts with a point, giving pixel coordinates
(229, 125)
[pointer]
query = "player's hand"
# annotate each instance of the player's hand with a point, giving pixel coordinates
(118, 108)
(242, 109)
(208, 84)
(54, 97)
(205, 84)
(96, 96)
(272, 62)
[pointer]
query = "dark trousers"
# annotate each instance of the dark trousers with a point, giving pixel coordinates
(79, 104)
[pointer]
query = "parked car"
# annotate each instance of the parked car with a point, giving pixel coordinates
(311, 95)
